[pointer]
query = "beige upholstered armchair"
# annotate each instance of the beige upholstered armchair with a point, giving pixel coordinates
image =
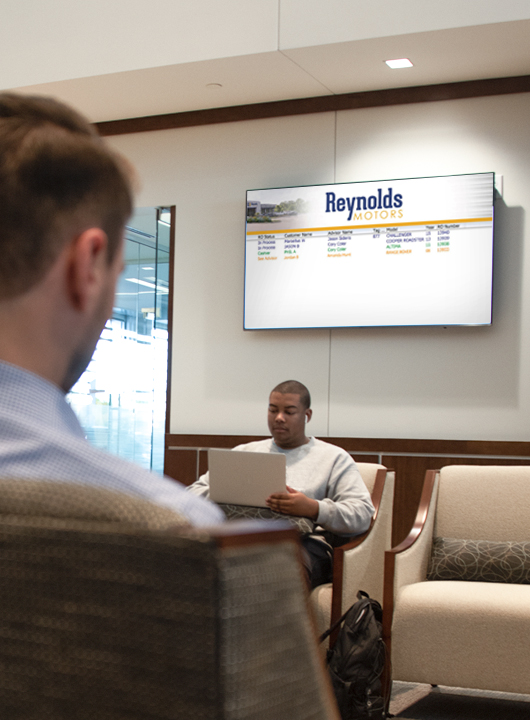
(457, 592)
(359, 564)
(112, 608)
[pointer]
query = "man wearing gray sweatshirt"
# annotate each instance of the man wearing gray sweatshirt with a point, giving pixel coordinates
(323, 482)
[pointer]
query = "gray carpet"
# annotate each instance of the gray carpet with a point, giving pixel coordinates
(422, 702)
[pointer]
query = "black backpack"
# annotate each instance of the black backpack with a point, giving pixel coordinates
(356, 662)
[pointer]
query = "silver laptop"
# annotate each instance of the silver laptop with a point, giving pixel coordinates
(238, 477)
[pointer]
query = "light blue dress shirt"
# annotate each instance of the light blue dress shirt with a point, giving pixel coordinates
(40, 437)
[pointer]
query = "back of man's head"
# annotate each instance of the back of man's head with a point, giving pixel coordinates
(293, 387)
(57, 178)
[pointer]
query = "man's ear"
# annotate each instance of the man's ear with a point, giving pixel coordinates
(308, 414)
(87, 262)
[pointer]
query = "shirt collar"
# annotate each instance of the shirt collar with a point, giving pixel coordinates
(27, 394)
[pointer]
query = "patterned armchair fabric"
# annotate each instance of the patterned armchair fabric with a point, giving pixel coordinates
(123, 612)
(247, 512)
(56, 500)
(480, 561)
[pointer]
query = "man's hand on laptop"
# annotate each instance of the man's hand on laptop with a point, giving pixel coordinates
(293, 503)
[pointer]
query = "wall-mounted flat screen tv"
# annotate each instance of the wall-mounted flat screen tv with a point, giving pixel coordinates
(416, 251)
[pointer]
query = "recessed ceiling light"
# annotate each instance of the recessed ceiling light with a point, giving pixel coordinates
(399, 63)
(148, 284)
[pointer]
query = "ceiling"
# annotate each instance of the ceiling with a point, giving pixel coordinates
(468, 53)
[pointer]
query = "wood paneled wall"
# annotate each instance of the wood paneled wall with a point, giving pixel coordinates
(186, 457)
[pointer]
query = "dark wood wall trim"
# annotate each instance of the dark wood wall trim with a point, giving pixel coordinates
(186, 457)
(327, 103)
(373, 445)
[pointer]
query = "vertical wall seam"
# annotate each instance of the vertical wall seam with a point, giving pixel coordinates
(335, 148)
(331, 330)
(279, 3)
(329, 384)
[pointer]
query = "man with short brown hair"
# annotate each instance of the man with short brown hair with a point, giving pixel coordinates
(64, 200)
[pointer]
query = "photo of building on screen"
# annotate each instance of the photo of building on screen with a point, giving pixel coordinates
(269, 212)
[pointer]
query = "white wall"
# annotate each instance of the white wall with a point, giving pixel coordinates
(45, 41)
(455, 383)
(313, 22)
(55, 40)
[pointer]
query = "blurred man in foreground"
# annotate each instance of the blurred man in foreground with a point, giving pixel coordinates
(64, 200)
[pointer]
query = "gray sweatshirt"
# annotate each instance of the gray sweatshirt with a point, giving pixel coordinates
(324, 472)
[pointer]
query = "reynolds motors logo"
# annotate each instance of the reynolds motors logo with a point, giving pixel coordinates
(373, 207)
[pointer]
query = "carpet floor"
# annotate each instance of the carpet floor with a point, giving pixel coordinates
(423, 702)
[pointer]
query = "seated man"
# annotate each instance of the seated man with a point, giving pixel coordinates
(64, 200)
(322, 480)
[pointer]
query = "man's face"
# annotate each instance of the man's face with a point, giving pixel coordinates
(287, 419)
(101, 314)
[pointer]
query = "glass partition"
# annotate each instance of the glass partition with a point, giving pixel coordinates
(121, 398)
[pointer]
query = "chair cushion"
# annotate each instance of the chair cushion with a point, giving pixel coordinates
(465, 634)
(320, 601)
(480, 560)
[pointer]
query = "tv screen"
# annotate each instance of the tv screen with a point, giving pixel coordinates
(416, 251)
